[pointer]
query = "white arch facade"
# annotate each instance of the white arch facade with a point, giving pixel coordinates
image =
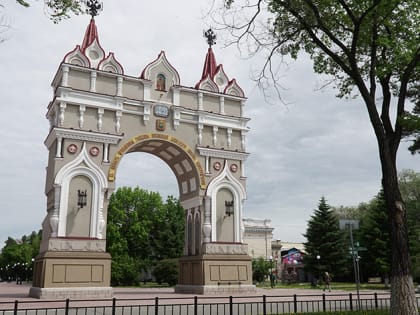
(228, 181)
(97, 115)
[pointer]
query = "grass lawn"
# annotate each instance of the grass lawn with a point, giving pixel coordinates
(347, 286)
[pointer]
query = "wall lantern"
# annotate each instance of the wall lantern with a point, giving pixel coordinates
(229, 208)
(81, 198)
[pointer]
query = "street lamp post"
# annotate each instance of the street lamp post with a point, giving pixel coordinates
(271, 272)
(353, 224)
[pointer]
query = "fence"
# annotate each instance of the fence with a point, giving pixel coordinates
(239, 305)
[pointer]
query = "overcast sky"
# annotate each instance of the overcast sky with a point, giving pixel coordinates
(315, 146)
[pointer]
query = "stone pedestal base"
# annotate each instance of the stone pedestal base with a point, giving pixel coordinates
(215, 274)
(72, 274)
(77, 293)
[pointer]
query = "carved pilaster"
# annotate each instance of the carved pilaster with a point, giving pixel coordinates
(200, 100)
(100, 115)
(101, 218)
(65, 78)
(58, 147)
(61, 114)
(93, 76)
(146, 114)
(55, 215)
(207, 166)
(229, 137)
(207, 220)
(118, 115)
(119, 86)
(243, 140)
(215, 129)
(222, 105)
(82, 110)
(106, 153)
(177, 117)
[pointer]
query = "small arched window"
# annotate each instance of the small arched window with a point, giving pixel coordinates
(160, 82)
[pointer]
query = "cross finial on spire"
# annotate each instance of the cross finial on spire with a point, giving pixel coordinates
(211, 37)
(94, 7)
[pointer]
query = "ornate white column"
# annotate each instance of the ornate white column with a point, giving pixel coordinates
(58, 148)
(200, 100)
(101, 218)
(222, 105)
(215, 129)
(93, 76)
(229, 137)
(106, 153)
(100, 115)
(118, 115)
(119, 86)
(207, 220)
(61, 114)
(55, 215)
(82, 110)
(65, 78)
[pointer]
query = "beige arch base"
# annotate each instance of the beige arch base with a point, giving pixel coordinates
(215, 274)
(72, 274)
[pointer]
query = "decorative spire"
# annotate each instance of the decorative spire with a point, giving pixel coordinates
(93, 7)
(210, 65)
(90, 35)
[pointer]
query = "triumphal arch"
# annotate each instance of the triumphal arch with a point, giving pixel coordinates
(97, 115)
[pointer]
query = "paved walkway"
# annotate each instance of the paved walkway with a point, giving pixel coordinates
(10, 292)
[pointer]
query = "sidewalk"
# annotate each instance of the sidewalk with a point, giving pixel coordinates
(10, 291)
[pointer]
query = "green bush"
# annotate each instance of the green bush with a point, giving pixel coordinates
(260, 269)
(166, 270)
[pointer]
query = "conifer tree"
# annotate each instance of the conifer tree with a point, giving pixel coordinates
(375, 237)
(325, 246)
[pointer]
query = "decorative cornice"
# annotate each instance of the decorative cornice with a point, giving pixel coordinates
(81, 135)
(205, 92)
(224, 249)
(223, 154)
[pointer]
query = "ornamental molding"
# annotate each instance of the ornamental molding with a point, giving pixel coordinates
(223, 154)
(81, 135)
(77, 97)
(211, 119)
(223, 249)
(78, 245)
(206, 92)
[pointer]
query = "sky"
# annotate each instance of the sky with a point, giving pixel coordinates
(311, 145)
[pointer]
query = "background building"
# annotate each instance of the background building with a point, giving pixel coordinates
(258, 234)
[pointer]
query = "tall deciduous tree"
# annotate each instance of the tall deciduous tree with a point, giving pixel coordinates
(369, 48)
(410, 189)
(141, 230)
(325, 247)
(58, 9)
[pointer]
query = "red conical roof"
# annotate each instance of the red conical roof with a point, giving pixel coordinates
(209, 68)
(90, 35)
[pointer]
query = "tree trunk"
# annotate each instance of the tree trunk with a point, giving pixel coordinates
(403, 299)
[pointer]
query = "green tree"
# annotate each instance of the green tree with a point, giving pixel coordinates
(410, 189)
(374, 236)
(58, 9)
(325, 247)
(368, 48)
(260, 269)
(141, 230)
(17, 254)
